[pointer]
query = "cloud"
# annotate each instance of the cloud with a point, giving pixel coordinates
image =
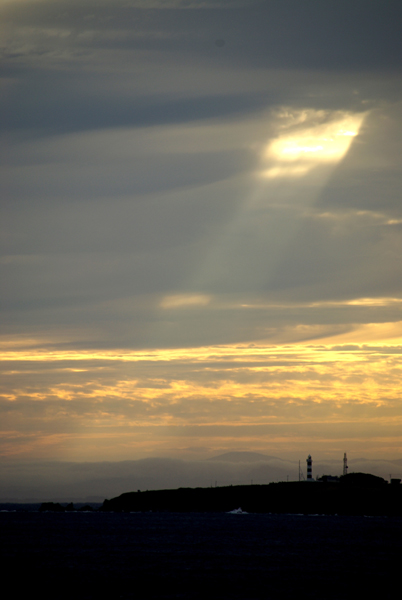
(307, 139)
(184, 300)
(289, 34)
(159, 293)
(241, 394)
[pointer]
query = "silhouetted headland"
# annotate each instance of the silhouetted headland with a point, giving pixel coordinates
(352, 494)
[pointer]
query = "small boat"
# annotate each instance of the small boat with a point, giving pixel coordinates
(237, 511)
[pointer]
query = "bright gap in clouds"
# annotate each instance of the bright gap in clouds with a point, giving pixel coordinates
(307, 139)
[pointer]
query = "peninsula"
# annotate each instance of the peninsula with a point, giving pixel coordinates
(352, 494)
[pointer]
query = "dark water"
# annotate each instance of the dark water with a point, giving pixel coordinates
(166, 555)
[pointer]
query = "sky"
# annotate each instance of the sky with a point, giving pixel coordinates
(201, 230)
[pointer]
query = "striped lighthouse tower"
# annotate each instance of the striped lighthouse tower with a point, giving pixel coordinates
(309, 461)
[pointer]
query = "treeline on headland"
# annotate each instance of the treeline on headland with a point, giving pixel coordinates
(352, 494)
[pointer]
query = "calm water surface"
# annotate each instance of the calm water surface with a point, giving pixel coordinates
(166, 555)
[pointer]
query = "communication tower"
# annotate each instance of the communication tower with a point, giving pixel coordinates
(345, 464)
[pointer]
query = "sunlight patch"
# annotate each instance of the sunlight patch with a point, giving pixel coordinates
(185, 300)
(308, 138)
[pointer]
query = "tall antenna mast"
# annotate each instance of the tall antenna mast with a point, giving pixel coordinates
(345, 464)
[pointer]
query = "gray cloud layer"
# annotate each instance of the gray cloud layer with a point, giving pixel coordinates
(133, 139)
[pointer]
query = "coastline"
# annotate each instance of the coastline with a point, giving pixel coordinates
(355, 494)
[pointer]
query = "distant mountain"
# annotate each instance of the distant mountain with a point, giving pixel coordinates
(243, 457)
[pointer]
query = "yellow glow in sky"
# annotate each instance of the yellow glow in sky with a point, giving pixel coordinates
(184, 300)
(270, 397)
(309, 138)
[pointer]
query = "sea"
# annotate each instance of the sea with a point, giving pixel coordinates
(88, 555)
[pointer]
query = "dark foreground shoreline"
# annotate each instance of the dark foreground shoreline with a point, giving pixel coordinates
(355, 494)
